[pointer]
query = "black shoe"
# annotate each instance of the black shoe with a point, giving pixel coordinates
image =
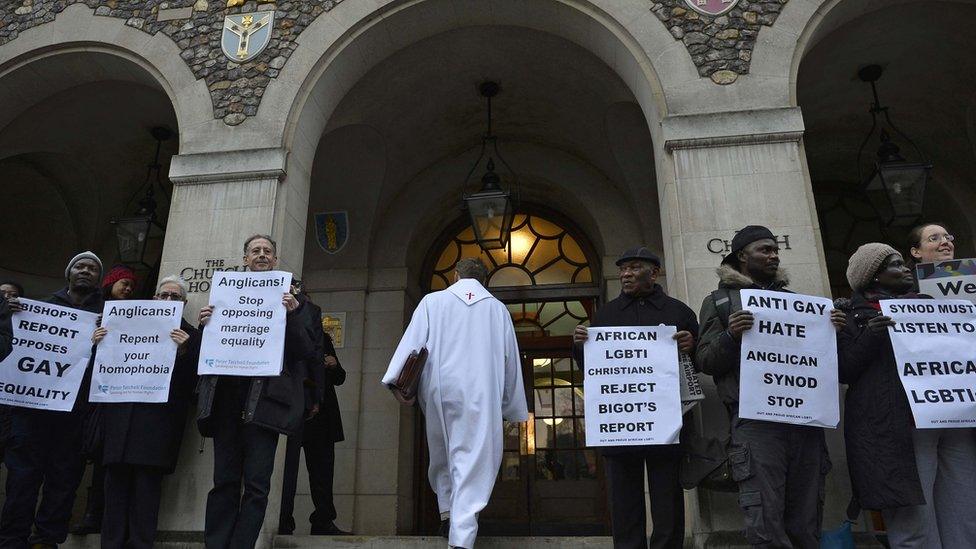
(87, 526)
(287, 527)
(445, 528)
(329, 529)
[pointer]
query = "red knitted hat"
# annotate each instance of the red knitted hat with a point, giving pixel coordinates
(117, 273)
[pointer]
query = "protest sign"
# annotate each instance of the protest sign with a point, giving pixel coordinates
(691, 390)
(788, 360)
(246, 333)
(631, 389)
(953, 279)
(51, 349)
(134, 362)
(935, 349)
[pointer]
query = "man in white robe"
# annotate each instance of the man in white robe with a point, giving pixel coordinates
(472, 379)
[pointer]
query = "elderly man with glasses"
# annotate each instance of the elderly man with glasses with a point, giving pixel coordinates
(142, 441)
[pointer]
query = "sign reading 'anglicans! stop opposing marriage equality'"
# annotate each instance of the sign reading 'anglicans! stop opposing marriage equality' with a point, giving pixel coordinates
(52, 347)
(788, 360)
(935, 351)
(246, 333)
(631, 389)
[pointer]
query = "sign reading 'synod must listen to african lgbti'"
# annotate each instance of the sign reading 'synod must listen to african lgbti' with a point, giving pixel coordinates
(935, 352)
(246, 333)
(52, 347)
(788, 360)
(134, 362)
(631, 390)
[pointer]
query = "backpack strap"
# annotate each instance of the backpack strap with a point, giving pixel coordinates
(722, 299)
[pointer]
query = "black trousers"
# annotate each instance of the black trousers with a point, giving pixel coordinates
(44, 449)
(780, 469)
(132, 494)
(320, 463)
(243, 463)
(625, 473)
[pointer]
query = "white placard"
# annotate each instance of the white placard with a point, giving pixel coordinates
(952, 279)
(935, 353)
(788, 360)
(632, 395)
(246, 333)
(134, 363)
(691, 389)
(52, 347)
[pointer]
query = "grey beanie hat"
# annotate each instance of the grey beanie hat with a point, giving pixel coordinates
(79, 257)
(864, 264)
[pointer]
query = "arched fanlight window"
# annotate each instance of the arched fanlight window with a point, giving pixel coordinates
(539, 253)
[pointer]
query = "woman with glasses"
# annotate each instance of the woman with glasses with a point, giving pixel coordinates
(931, 243)
(142, 441)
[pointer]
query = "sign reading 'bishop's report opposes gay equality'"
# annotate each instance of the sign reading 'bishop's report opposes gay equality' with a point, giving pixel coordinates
(52, 346)
(788, 360)
(246, 332)
(631, 390)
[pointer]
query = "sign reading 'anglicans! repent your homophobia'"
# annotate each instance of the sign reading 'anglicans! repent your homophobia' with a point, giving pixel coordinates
(935, 351)
(246, 332)
(134, 363)
(788, 360)
(631, 390)
(52, 346)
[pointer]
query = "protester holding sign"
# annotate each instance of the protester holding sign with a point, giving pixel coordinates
(922, 480)
(117, 285)
(245, 415)
(142, 439)
(765, 456)
(642, 302)
(6, 330)
(45, 445)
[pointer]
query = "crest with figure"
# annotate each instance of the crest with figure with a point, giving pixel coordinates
(332, 230)
(246, 35)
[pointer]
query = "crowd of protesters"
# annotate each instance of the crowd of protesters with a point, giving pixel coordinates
(923, 481)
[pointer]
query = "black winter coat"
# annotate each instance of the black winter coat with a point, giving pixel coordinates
(6, 330)
(324, 380)
(657, 308)
(877, 417)
(151, 434)
(277, 402)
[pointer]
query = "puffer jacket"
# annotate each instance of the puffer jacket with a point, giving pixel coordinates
(877, 417)
(717, 353)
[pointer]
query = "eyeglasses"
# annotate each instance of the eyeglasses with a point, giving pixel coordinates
(935, 238)
(167, 296)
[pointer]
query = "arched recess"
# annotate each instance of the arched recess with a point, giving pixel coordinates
(922, 46)
(75, 141)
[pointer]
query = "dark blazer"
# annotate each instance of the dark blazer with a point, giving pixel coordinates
(275, 402)
(324, 379)
(877, 417)
(151, 434)
(657, 308)
(6, 330)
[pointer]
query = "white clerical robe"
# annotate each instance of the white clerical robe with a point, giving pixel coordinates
(472, 379)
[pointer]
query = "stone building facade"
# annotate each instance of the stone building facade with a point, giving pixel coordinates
(627, 121)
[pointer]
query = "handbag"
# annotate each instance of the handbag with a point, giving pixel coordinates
(93, 433)
(408, 382)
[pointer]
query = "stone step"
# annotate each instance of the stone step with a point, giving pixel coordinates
(435, 542)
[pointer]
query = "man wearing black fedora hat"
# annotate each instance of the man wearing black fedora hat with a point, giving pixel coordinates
(642, 302)
(780, 467)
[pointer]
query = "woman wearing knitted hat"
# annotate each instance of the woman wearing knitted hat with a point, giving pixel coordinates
(922, 480)
(119, 283)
